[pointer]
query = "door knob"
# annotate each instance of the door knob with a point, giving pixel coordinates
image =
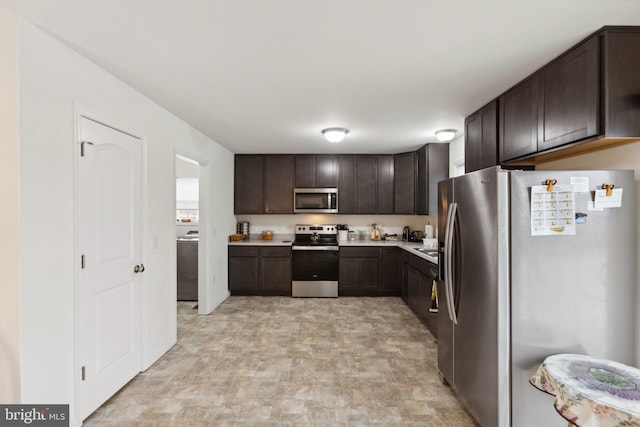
(138, 268)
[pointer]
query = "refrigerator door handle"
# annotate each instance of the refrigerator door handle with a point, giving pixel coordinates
(449, 279)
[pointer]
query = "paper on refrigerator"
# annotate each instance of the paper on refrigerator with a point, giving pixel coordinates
(553, 212)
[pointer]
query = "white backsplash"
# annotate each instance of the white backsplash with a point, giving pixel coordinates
(284, 224)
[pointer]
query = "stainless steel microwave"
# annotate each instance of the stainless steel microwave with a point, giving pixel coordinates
(315, 200)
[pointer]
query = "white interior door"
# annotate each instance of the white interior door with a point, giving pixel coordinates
(109, 288)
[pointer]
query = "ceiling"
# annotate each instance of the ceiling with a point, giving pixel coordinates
(266, 76)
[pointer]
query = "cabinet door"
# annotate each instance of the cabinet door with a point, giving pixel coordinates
(473, 142)
(413, 288)
(422, 180)
(349, 273)
(389, 266)
(568, 97)
(369, 274)
(278, 180)
(403, 258)
(438, 170)
(621, 56)
(385, 185)
(481, 138)
(366, 184)
(248, 185)
(519, 121)
(404, 183)
(244, 275)
(326, 171)
(489, 116)
(276, 274)
(359, 271)
(305, 170)
(347, 184)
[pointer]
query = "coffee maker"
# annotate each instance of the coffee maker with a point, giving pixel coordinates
(405, 233)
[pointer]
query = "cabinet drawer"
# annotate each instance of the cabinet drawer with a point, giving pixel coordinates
(423, 266)
(240, 251)
(360, 252)
(278, 251)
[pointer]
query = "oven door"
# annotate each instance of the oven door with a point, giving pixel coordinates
(314, 272)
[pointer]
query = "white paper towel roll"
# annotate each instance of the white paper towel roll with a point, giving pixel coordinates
(428, 231)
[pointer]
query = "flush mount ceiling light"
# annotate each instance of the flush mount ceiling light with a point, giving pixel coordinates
(446, 135)
(335, 135)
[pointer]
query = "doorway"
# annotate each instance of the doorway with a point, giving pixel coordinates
(187, 228)
(191, 225)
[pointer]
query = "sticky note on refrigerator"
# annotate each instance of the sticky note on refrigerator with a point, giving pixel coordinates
(613, 201)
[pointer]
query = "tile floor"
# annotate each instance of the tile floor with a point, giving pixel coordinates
(276, 361)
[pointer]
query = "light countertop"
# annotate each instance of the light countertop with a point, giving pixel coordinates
(287, 240)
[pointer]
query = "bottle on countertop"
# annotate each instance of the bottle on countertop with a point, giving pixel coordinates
(375, 232)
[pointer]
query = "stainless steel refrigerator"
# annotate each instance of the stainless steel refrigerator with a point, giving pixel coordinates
(508, 298)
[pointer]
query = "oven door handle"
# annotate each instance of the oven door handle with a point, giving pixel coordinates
(315, 248)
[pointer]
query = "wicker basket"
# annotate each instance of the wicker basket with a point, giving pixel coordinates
(237, 237)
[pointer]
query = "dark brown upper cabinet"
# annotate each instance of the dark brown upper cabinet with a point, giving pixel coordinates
(519, 121)
(384, 194)
(316, 171)
(481, 138)
(584, 100)
(405, 183)
(248, 186)
(279, 174)
(263, 184)
(357, 184)
(432, 167)
(568, 97)
(365, 184)
(347, 184)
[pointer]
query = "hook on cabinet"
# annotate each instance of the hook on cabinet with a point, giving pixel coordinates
(550, 183)
(609, 188)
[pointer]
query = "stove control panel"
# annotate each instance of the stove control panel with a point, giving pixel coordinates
(317, 229)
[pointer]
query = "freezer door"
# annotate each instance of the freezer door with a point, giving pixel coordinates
(445, 325)
(570, 294)
(481, 375)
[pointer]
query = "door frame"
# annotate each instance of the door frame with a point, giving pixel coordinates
(205, 305)
(80, 113)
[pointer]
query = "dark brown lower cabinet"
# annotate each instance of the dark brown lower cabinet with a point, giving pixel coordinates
(420, 274)
(368, 271)
(260, 270)
(389, 270)
(358, 271)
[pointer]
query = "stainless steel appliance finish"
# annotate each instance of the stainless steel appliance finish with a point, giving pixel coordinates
(315, 200)
(315, 261)
(509, 299)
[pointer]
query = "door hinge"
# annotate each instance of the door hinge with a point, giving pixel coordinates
(82, 262)
(82, 147)
(83, 373)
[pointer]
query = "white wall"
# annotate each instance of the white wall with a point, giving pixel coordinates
(623, 157)
(54, 81)
(456, 155)
(9, 213)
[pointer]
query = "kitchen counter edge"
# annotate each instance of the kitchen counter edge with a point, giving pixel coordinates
(287, 240)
